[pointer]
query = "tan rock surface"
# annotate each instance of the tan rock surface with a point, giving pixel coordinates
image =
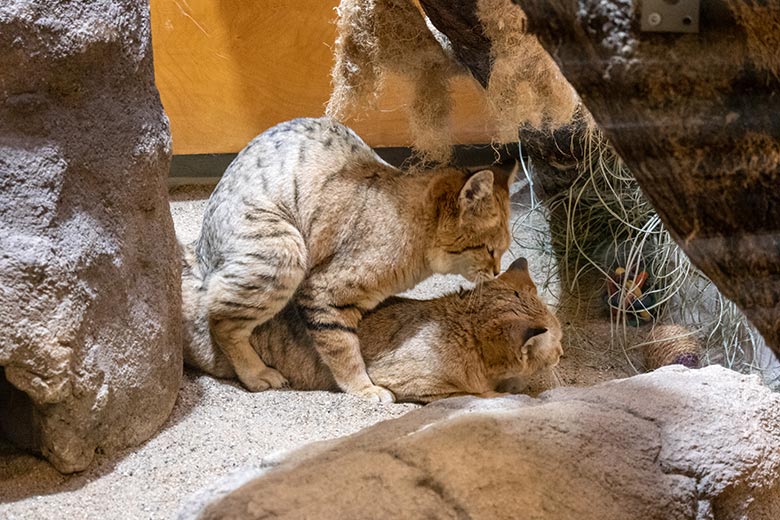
(675, 443)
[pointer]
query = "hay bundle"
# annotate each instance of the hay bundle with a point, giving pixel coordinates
(671, 345)
(378, 37)
(603, 221)
(525, 85)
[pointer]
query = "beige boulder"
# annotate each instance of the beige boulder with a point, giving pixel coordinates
(672, 444)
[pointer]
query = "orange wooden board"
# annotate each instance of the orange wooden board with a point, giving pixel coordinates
(229, 69)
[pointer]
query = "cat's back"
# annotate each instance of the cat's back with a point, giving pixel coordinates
(289, 158)
(399, 324)
(282, 174)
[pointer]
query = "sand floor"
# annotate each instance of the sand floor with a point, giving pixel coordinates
(217, 427)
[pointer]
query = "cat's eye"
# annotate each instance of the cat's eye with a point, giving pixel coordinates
(490, 251)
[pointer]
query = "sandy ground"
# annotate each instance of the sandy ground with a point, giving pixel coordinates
(217, 427)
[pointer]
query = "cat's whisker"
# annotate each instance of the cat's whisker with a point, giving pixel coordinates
(475, 297)
(479, 293)
(470, 301)
(555, 378)
(471, 296)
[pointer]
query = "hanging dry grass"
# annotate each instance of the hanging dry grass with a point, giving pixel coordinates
(378, 37)
(525, 85)
(603, 221)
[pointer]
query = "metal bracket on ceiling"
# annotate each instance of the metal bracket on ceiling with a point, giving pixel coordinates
(680, 16)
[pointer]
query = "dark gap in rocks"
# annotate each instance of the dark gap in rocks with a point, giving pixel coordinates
(17, 417)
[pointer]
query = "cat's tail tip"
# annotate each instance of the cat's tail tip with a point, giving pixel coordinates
(190, 267)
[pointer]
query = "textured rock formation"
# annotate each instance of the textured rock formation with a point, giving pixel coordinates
(695, 117)
(89, 272)
(673, 444)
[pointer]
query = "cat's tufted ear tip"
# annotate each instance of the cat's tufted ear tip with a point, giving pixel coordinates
(520, 264)
(476, 192)
(518, 277)
(504, 172)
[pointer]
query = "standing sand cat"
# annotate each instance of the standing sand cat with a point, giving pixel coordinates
(463, 343)
(308, 210)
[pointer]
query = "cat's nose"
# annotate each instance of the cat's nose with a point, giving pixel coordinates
(496, 269)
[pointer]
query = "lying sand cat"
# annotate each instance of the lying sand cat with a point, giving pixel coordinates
(423, 350)
(308, 209)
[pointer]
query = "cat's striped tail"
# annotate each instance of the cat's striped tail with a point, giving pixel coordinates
(199, 350)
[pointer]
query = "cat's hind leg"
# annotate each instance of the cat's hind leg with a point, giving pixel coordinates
(249, 289)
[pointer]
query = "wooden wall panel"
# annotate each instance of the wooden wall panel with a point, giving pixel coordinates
(228, 69)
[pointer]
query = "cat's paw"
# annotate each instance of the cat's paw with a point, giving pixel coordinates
(491, 393)
(263, 379)
(377, 394)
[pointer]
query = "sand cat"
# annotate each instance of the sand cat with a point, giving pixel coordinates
(470, 342)
(308, 210)
(464, 343)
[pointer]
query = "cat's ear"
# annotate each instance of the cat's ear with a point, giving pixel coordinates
(531, 337)
(477, 193)
(517, 276)
(519, 264)
(504, 173)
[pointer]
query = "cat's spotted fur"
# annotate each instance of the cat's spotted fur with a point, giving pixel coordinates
(472, 342)
(308, 211)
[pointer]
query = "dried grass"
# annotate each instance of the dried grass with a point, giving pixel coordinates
(525, 85)
(378, 37)
(670, 345)
(603, 221)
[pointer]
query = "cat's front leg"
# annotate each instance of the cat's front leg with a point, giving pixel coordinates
(334, 331)
(340, 350)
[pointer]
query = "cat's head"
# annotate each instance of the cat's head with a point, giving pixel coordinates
(518, 333)
(473, 224)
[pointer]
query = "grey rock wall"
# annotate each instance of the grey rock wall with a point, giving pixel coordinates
(672, 444)
(89, 269)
